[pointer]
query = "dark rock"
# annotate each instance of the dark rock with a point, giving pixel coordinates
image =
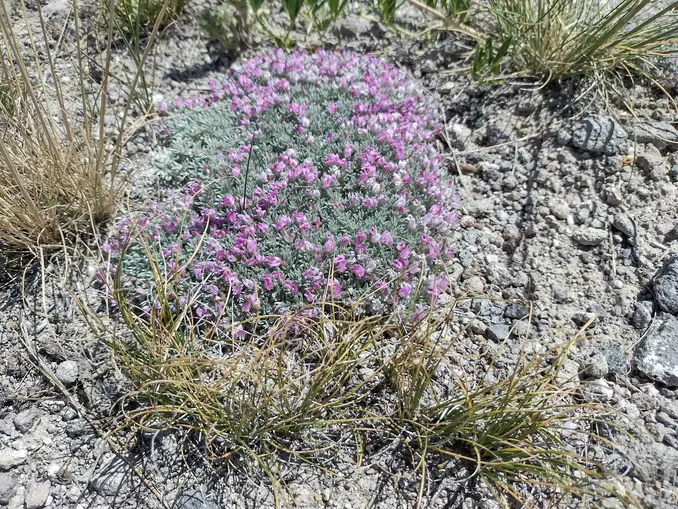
(600, 134)
(616, 359)
(582, 319)
(494, 135)
(657, 356)
(77, 428)
(649, 158)
(665, 286)
(516, 311)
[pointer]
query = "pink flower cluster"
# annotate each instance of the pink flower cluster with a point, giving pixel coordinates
(322, 182)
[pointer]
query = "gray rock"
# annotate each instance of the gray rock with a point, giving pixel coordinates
(36, 494)
(597, 367)
(353, 27)
(56, 8)
(77, 428)
(589, 236)
(474, 284)
(109, 481)
(611, 503)
(10, 458)
(581, 319)
(670, 409)
(613, 196)
(657, 356)
(564, 137)
(67, 372)
(660, 134)
(559, 209)
(666, 420)
(665, 286)
(649, 158)
(632, 411)
(7, 425)
(479, 208)
(616, 359)
(597, 391)
(8, 483)
(447, 87)
(498, 332)
(194, 499)
(642, 315)
(516, 311)
(624, 224)
(600, 134)
(671, 441)
(561, 293)
(26, 419)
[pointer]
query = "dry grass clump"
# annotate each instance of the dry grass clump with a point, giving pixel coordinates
(58, 168)
(299, 385)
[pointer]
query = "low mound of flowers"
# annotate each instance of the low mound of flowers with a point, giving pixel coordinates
(300, 178)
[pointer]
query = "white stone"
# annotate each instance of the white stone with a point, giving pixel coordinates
(10, 458)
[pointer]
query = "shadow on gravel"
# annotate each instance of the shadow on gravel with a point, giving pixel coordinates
(164, 471)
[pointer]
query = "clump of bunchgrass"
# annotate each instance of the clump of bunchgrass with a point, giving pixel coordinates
(559, 39)
(139, 16)
(58, 171)
(300, 176)
(286, 385)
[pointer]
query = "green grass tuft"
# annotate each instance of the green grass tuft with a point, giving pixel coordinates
(558, 39)
(296, 385)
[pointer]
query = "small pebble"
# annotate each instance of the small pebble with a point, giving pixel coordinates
(67, 372)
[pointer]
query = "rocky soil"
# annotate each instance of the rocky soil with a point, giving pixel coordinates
(569, 215)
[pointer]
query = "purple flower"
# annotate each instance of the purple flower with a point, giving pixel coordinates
(387, 238)
(357, 270)
(340, 263)
(382, 288)
(375, 201)
(404, 290)
(239, 332)
(251, 244)
(336, 288)
(227, 201)
(267, 282)
(250, 302)
(293, 288)
(327, 181)
(328, 246)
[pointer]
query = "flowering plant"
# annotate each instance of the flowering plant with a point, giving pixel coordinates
(301, 178)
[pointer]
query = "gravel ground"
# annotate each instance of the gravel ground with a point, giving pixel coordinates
(569, 203)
